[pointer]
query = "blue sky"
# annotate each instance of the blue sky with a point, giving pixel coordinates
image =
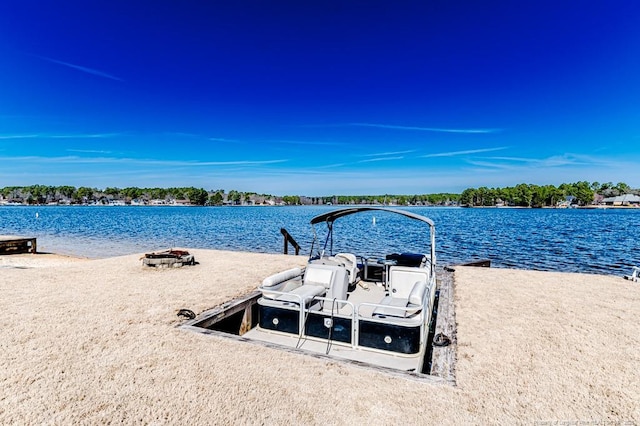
(319, 97)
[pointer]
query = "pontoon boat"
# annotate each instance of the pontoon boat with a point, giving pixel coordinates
(373, 309)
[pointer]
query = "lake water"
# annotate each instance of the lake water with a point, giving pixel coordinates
(605, 241)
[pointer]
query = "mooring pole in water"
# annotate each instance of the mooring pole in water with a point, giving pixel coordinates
(289, 239)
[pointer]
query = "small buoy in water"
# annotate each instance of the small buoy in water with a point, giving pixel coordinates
(37, 215)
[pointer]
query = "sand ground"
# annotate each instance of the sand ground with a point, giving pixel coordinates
(95, 341)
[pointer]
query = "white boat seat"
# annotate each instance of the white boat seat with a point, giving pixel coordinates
(306, 293)
(318, 274)
(416, 297)
(333, 278)
(281, 282)
(403, 278)
(401, 307)
(318, 280)
(292, 299)
(281, 277)
(350, 262)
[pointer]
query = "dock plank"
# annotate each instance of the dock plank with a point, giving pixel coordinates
(444, 357)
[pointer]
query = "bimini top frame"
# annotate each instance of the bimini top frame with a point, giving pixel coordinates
(332, 216)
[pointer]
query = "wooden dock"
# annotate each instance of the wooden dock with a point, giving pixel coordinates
(16, 245)
(443, 358)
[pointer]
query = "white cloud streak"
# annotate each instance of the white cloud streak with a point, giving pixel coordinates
(223, 140)
(381, 154)
(70, 136)
(330, 166)
(140, 162)
(295, 142)
(465, 152)
(549, 162)
(81, 68)
(426, 129)
(10, 137)
(83, 136)
(370, 160)
(515, 159)
(89, 151)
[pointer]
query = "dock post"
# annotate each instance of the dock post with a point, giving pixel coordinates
(289, 239)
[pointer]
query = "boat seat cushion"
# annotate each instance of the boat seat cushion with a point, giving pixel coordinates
(417, 293)
(396, 307)
(388, 309)
(402, 279)
(408, 259)
(281, 277)
(306, 293)
(318, 275)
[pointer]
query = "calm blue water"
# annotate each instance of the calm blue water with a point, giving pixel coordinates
(594, 241)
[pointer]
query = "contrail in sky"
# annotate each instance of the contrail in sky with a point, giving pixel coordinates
(389, 153)
(469, 151)
(425, 129)
(81, 68)
(370, 160)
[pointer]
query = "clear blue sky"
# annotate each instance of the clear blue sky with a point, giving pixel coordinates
(319, 97)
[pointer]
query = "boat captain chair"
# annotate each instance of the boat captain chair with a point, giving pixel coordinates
(345, 260)
(333, 279)
(350, 262)
(402, 279)
(408, 290)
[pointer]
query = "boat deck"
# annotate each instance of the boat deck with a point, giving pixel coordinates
(373, 293)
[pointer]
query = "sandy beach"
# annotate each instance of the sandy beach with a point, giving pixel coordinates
(95, 341)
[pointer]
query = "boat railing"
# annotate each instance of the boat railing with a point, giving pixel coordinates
(299, 302)
(340, 313)
(306, 306)
(356, 314)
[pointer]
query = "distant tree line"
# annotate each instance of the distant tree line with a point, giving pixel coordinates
(43, 194)
(524, 195)
(387, 199)
(528, 195)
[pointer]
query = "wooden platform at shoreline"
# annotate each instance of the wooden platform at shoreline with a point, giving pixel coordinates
(443, 358)
(17, 245)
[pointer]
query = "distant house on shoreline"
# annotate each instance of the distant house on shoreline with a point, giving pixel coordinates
(622, 200)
